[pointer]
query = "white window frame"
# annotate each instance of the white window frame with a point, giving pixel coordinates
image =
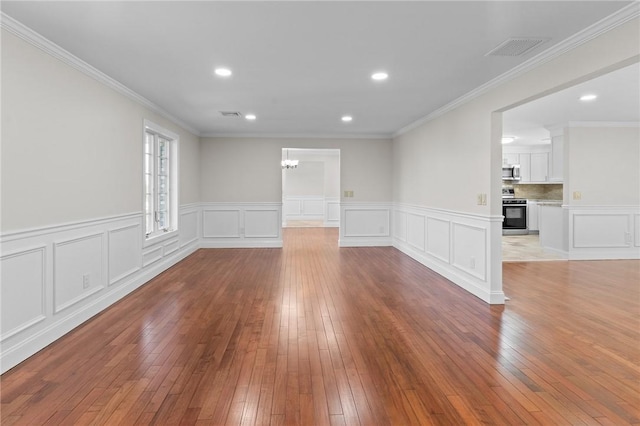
(150, 173)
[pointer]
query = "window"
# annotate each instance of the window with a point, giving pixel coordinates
(160, 180)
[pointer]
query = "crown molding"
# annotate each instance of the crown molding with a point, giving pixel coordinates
(35, 39)
(612, 21)
(296, 136)
(621, 124)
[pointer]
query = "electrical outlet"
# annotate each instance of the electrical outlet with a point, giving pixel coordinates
(482, 199)
(346, 194)
(86, 281)
(472, 262)
(577, 195)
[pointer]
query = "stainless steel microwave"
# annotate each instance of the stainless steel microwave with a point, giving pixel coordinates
(511, 172)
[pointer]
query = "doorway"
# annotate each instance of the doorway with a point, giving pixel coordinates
(570, 152)
(310, 188)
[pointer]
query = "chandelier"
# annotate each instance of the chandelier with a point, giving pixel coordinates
(289, 164)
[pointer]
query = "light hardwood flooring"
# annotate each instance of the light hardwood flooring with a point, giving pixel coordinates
(313, 334)
(305, 224)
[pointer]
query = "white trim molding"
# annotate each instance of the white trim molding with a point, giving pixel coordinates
(618, 18)
(365, 224)
(464, 248)
(30, 36)
(241, 225)
(603, 232)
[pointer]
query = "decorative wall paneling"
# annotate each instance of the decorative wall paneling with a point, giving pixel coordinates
(312, 208)
(603, 232)
(229, 225)
(456, 245)
(365, 224)
(332, 212)
(55, 278)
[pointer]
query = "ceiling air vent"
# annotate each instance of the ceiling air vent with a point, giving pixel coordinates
(516, 46)
(230, 114)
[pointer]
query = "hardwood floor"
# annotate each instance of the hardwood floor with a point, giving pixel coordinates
(313, 334)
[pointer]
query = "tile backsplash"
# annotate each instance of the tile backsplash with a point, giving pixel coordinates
(539, 192)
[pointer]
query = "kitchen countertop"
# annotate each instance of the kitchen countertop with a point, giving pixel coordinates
(552, 203)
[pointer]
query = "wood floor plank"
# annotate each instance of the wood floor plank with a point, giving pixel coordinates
(313, 334)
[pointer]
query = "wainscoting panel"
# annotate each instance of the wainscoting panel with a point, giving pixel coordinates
(600, 230)
(469, 249)
(22, 291)
(313, 207)
(54, 278)
(125, 252)
(189, 221)
(78, 269)
(400, 225)
(261, 223)
(603, 232)
(152, 255)
(171, 246)
(332, 212)
(416, 231)
(439, 238)
(237, 225)
(365, 224)
(292, 207)
(455, 245)
(221, 223)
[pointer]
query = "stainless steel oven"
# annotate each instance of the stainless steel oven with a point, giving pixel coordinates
(514, 211)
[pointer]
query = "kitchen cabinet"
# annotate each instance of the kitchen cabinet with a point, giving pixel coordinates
(532, 216)
(533, 160)
(509, 159)
(552, 229)
(525, 168)
(557, 159)
(539, 167)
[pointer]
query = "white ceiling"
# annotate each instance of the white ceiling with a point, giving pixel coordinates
(299, 66)
(618, 101)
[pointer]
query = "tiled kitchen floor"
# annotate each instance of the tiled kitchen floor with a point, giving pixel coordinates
(518, 248)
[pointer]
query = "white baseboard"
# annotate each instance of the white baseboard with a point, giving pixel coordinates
(246, 243)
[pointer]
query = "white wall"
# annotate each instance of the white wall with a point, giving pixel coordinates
(445, 163)
(305, 180)
(71, 202)
(248, 169)
(603, 165)
(72, 147)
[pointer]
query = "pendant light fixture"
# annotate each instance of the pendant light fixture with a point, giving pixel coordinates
(289, 164)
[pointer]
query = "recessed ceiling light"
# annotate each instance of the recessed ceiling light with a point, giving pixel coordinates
(347, 118)
(250, 116)
(589, 97)
(380, 76)
(508, 139)
(223, 72)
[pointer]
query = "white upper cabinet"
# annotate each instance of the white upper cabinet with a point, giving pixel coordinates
(533, 161)
(539, 167)
(557, 158)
